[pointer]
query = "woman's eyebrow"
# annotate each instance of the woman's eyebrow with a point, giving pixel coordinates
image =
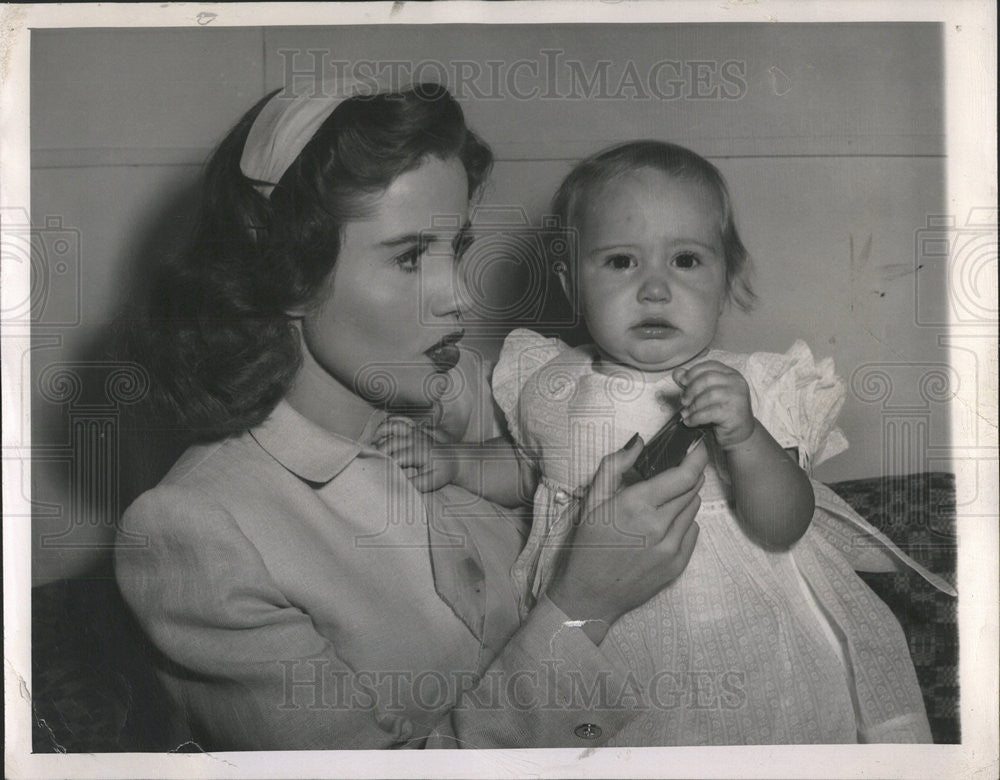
(422, 237)
(408, 238)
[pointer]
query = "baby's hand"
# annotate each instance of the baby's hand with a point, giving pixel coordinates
(717, 395)
(417, 452)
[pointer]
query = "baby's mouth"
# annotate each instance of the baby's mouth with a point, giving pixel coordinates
(653, 328)
(445, 354)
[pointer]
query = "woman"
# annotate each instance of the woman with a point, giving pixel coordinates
(302, 593)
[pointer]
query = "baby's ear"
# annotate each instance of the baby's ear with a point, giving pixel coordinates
(562, 271)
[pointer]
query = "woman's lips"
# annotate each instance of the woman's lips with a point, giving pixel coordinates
(445, 354)
(653, 329)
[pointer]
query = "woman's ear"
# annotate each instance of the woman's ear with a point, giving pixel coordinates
(303, 308)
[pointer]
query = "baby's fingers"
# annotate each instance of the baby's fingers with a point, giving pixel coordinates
(685, 375)
(706, 415)
(708, 381)
(393, 426)
(710, 397)
(392, 444)
(423, 481)
(415, 457)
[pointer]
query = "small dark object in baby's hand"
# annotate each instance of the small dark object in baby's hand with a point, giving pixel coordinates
(664, 451)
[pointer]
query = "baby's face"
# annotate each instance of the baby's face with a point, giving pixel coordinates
(651, 270)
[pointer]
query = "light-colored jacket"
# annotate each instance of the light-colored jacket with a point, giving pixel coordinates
(305, 596)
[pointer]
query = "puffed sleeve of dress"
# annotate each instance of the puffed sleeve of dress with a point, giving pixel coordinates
(251, 658)
(798, 399)
(523, 354)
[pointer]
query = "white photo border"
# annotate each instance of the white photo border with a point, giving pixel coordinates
(970, 59)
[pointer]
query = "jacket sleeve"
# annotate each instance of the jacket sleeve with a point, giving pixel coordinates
(551, 686)
(253, 673)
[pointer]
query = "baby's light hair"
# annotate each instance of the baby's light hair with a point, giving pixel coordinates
(672, 160)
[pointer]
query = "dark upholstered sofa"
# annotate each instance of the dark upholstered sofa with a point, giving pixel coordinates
(93, 688)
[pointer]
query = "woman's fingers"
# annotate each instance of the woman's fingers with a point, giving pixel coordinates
(609, 473)
(678, 502)
(680, 548)
(680, 520)
(661, 520)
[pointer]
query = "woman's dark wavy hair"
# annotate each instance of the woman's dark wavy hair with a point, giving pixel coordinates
(676, 161)
(217, 337)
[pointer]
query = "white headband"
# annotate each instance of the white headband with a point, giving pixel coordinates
(280, 133)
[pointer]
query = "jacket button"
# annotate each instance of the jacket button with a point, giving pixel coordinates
(588, 731)
(561, 497)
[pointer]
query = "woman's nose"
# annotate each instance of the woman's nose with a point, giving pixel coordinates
(654, 289)
(440, 287)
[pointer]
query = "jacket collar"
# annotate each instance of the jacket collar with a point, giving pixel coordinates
(306, 449)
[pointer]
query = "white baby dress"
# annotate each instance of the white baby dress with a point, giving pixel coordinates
(747, 646)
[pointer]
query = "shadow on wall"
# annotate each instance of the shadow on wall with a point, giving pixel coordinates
(510, 278)
(93, 452)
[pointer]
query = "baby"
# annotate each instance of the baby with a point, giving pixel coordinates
(768, 636)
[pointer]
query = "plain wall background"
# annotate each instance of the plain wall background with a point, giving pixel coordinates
(833, 149)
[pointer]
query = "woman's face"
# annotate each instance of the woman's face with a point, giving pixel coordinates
(388, 327)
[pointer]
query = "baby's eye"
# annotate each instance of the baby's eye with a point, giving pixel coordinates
(620, 262)
(687, 260)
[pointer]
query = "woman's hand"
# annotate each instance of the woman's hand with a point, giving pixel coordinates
(421, 456)
(629, 543)
(716, 395)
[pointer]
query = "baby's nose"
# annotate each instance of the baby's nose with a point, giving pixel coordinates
(654, 288)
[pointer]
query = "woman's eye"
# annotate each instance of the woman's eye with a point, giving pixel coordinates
(620, 262)
(409, 261)
(687, 260)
